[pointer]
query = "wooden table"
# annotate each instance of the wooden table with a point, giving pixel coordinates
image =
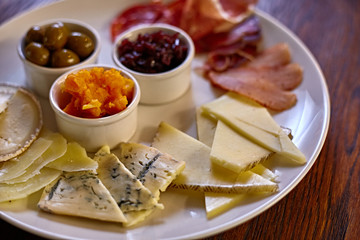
(326, 203)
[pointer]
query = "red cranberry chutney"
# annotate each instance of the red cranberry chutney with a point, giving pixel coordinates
(155, 52)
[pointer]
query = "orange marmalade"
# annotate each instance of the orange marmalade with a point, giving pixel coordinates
(97, 92)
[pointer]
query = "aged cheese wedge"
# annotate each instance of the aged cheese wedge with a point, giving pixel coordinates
(244, 109)
(20, 123)
(218, 203)
(18, 165)
(135, 217)
(155, 169)
(54, 151)
(80, 194)
(254, 122)
(21, 190)
(128, 192)
(235, 152)
(74, 159)
(205, 126)
(200, 174)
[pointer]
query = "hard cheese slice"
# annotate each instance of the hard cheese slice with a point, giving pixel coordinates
(18, 165)
(254, 122)
(129, 193)
(21, 190)
(205, 126)
(74, 159)
(155, 169)
(200, 174)
(80, 194)
(235, 152)
(54, 151)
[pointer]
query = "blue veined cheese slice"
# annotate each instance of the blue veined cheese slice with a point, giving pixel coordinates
(200, 174)
(129, 193)
(155, 169)
(80, 194)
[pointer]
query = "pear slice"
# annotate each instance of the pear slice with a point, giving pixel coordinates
(20, 121)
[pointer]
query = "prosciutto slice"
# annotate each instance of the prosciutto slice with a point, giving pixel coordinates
(201, 19)
(268, 79)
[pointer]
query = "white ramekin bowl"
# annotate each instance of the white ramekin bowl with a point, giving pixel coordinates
(159, 88)
(93, 133)
(40, 78)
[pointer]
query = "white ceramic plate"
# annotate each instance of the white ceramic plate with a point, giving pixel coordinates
(184, 216)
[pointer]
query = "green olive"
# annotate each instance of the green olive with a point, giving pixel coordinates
(56, 36)
(64, 58)
(34, 34)
(37, 53)
(81, 44)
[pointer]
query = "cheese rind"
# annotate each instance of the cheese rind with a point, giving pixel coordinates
(200, 174)
(20, 124)
(129, 193)
(80, 194)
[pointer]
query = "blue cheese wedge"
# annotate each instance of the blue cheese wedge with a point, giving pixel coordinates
(155, 169)
(80, 194)
(200, 174)
(129, 193)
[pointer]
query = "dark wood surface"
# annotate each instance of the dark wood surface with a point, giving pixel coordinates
(326, 203)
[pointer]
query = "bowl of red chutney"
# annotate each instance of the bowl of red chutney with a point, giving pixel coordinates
(159, 56)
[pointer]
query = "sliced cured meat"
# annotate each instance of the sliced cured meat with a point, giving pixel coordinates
(199, 18)
(267, 78)
(137, 14)
(258, 89)
(241, 35)
(286, 77)
(277, 55)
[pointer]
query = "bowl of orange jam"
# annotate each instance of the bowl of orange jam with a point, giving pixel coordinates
(96, 105)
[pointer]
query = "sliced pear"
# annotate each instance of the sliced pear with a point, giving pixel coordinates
(20, 122)
(21, 190)
(74, 159)
(200, 174)
(80, 194)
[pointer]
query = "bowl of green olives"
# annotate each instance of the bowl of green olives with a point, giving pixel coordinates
(56, 46)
